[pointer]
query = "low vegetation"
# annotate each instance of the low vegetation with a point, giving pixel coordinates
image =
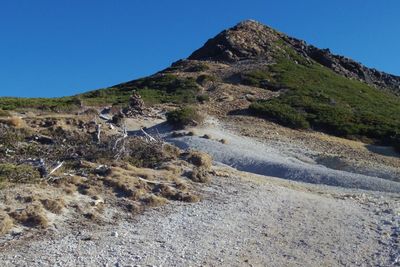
(281, 113)
(45, 104)
(124, 173)
(256, 78)
(184, 116)
(14, 173)
(161, 88)
(319, 98)
(203, 98)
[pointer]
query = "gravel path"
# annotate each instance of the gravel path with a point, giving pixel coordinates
(250, 155)
(248, 221)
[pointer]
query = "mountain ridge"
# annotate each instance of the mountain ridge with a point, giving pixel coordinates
(255, 70)
(250, 39)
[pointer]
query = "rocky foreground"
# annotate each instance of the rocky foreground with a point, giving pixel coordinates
(243, 220)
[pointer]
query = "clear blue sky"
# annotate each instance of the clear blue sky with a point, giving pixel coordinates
(57, 48)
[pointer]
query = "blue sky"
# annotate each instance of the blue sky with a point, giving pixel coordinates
(56, 48)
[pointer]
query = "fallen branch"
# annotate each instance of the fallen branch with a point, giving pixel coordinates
(154, 182)
(56, 168)
(98, 130)
(151, 138)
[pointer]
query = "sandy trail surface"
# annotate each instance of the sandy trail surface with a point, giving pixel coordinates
(277, 160)
(243, 220)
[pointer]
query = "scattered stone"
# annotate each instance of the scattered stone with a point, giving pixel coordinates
(103, 170)
(250, 97)
(207, 136)
(42, 139)
(114, 234)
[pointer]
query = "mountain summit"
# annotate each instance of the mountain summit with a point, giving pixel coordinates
(247, 40)
(251, 40)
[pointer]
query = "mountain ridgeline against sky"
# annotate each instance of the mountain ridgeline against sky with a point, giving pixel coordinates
(292, 83)
(253, 40)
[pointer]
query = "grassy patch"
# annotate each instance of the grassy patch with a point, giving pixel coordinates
(184, 116)
(50, 104)
(330, 103)
(203, 98)
(18, 173)
(280, 113)
(256, 78)
(165, 88)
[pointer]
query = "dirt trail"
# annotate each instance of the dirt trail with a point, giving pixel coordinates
(243, 220)
(278, 160)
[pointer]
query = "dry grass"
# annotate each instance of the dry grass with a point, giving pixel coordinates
(154, 201)
(13, 121)
(69, 189)
(148, 186)
(32, 216)
(200, 159)
(54, 205)
(4, 113)
(154, 179)
(170, 151)
(200, 175)
(6, 223)
(174, 169)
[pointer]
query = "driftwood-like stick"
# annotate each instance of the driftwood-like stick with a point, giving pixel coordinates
(124, 135)
(151, 138)
(56, 168)
(154, 182)
(98, 130)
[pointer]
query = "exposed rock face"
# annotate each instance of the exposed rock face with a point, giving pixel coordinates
(251, 40)
(247, 40)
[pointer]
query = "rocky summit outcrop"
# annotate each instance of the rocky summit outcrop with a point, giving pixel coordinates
(247, 40)
(251, 40)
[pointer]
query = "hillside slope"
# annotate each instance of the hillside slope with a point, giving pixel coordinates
(289, 82)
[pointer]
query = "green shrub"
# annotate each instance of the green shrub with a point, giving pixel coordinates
(203, 98)
(51, 104)
(327, 101)
(160, 88)
(255, 78)
(184, 117)
(18, 173)
(281, 113)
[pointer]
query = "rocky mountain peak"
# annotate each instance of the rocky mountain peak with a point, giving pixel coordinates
(249, 39)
